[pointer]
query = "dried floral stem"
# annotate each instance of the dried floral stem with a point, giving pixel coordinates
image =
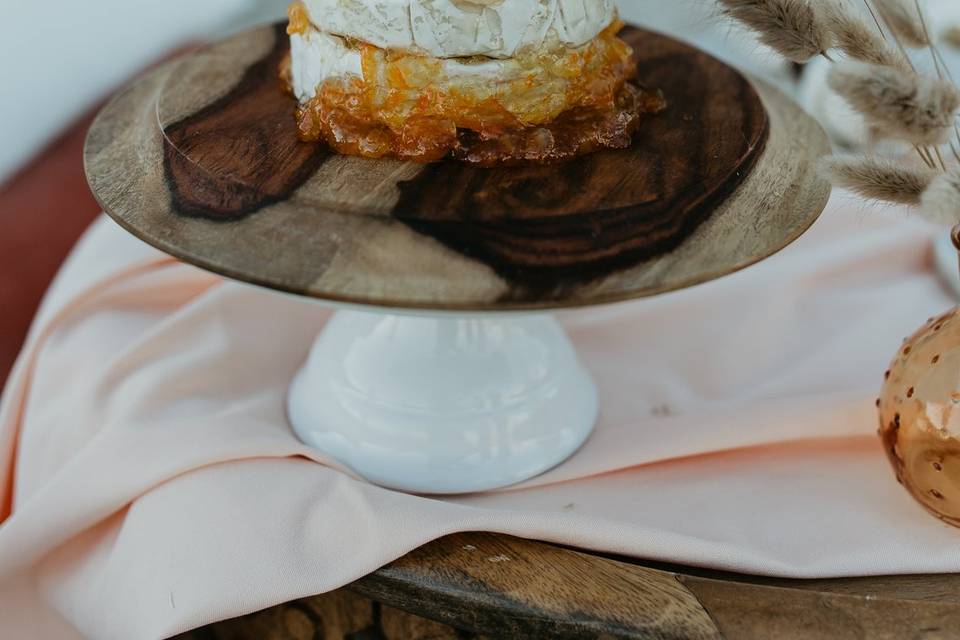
(793, 28)
(926, 32)
(943, 165)
(858, 40)
(902, 25)
(893, 32)
(940, 65)
(903, 21)
(879, 178)
(955, 152)
(924, 154)
(900, 104)
(941, 200)
(943, 62)
(884, 86)
(876, 20)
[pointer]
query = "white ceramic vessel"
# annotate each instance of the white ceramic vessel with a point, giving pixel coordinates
(443, 403)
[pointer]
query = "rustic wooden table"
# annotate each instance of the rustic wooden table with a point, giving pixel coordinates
(480, 585)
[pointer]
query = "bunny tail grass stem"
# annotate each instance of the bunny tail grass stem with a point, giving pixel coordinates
(938, 60)
(903, 20)
(943, 61)
(876, 20)
(878, 178)
(941, 200)
(881, 7)
(926, 32)
(858, 40)
(924, 154)
(793, 28)
(900, 104)
(943, 165)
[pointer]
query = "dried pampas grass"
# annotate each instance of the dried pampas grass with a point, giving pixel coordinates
(879, 178)
(900, 104)
(881, 83)
(952, 37)
(793, 28)
(941, 201)
(858, 39)
(905, 21)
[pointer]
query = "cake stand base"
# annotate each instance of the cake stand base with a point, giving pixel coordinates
(443, 403)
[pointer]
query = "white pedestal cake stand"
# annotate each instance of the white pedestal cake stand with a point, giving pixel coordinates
(443, 403)
(445, 373)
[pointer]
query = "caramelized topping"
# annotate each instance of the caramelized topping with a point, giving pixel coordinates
(576, 132)
(299, 18)
(562, 103)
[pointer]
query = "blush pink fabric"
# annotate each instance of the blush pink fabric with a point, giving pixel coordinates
(150, 482)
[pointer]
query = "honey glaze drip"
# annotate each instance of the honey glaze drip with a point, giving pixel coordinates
(576, 132)
(566, 103)
(298, 18)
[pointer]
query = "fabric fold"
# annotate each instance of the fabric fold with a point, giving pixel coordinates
(152, 483)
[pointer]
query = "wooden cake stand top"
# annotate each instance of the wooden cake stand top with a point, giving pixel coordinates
(200, 159)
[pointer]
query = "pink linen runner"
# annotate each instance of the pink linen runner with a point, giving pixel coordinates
(149, 482)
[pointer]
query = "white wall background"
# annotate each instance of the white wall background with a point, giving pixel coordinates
(58, 57)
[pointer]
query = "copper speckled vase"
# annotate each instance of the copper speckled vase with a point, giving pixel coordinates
(919, 409)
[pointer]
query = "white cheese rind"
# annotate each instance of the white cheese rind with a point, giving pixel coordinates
(457, 28)
(316, 56)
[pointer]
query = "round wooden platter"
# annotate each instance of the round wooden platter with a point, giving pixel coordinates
(200, 159)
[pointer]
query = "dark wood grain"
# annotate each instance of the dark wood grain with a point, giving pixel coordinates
(487, 585)
(548, 228)
(241, 152)
(511, 588)
(224, 184)
(341, 615)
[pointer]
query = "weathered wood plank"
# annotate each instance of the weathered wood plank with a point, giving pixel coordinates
(486, 585)
(515, 588)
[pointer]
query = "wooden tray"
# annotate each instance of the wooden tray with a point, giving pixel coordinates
(201, 159)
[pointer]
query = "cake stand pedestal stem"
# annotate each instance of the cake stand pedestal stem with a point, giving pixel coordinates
(443, 403)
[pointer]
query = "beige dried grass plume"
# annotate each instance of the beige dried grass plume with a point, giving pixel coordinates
(879, 178)
(859, 39)
(793, 28)
(900, 104)
(879, 82)
(905, 21)
(941, 201)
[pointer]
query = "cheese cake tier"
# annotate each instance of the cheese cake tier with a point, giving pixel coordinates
(544, 105)
(482, 94)
(458, 28)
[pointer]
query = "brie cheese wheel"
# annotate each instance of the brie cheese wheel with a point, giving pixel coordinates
(461, 28)
(396, 86)
(316, 57)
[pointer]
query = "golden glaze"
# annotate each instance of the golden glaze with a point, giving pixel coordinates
(568, 102)
(299, 19)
